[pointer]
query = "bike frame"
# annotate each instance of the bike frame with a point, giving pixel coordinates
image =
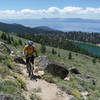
(30, 67)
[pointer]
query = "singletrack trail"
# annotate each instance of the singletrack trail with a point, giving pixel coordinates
(47, 91)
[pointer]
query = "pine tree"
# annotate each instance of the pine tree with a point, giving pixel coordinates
(70, 55)
(58, 54)
(20, 42)
(12, 39)
(9, 39)
(3, 36)
(94, 60)
(15, 43)
(43, 48)
(53, 51)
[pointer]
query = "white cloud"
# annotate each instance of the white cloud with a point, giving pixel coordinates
(50, 12)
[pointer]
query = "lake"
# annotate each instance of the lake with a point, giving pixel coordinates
(95, 50)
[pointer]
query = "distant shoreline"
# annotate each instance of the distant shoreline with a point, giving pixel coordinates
(98, 45)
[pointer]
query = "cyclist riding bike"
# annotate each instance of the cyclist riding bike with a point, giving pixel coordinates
(29, 51)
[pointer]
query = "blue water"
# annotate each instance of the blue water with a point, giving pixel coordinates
(95, 50)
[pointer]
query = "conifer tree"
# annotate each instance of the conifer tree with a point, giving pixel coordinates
(70, 55)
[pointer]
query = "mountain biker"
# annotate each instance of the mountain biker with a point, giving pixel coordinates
(29, 51)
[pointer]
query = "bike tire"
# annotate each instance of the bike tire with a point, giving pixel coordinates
(29, 69)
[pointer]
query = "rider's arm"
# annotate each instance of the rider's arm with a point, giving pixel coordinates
(24, 50)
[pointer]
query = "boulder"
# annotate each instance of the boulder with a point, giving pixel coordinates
(74, 70)
(43, 61)
(19, 60)
(55, 68)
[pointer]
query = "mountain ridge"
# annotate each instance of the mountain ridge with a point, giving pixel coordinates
(63, 24)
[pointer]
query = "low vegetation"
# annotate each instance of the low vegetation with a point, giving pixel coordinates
(74, 86)
(35, 97)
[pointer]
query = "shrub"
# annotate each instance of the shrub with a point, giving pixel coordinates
(8, 63)
(35, 97)
(20, 42)
(76, 93)
(4, 71)
(3, 36)
(94, 60)
(37, 89)
(11, 87)
(8, 86)
(43, 49)
(20, 82)
(53, 51)
(58, 54)
(48, 77)
(70, 55)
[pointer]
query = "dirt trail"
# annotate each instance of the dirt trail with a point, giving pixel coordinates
(48, 91)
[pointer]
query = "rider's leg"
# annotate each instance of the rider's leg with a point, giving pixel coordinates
(27, 66)
(27, 60)
(33, 64)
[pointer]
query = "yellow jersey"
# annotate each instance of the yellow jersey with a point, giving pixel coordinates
(29, 50)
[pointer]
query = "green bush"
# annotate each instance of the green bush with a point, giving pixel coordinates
(8, 86)
(43, 49)
(20, 82)
(20, 42)
(4, 71)
(48, 77)
(8, 63)
(11, 87)
(76, 93)
(94, 60)
(37, 89)
(35, 97)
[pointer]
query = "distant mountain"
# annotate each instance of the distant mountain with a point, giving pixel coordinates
(63, 24)
(45, 28)
(17, 28)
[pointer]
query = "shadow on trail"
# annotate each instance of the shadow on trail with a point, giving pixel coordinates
(35, 77)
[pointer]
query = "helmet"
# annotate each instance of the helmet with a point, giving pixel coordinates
(30, 43)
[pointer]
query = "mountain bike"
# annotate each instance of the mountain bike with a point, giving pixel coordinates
(30, 66)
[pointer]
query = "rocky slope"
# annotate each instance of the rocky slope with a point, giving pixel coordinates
(55, 77)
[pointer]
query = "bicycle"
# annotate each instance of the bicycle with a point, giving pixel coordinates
(30, 67)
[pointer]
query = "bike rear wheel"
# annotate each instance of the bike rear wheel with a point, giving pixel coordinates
(29, 69)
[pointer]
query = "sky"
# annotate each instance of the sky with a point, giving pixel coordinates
(26, 9)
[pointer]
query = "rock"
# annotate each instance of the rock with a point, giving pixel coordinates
(90, 79)
(55, 68)
(67, 78)
(43, 61)
(85, 95)
(93, 81)
(74, 70)
(40, 73)
(71, 97)
(19, 60)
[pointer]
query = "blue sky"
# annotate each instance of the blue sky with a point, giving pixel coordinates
(49, 9)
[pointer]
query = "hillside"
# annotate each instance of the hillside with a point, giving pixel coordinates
(75, 85)
(44, 30)
(63, 24)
